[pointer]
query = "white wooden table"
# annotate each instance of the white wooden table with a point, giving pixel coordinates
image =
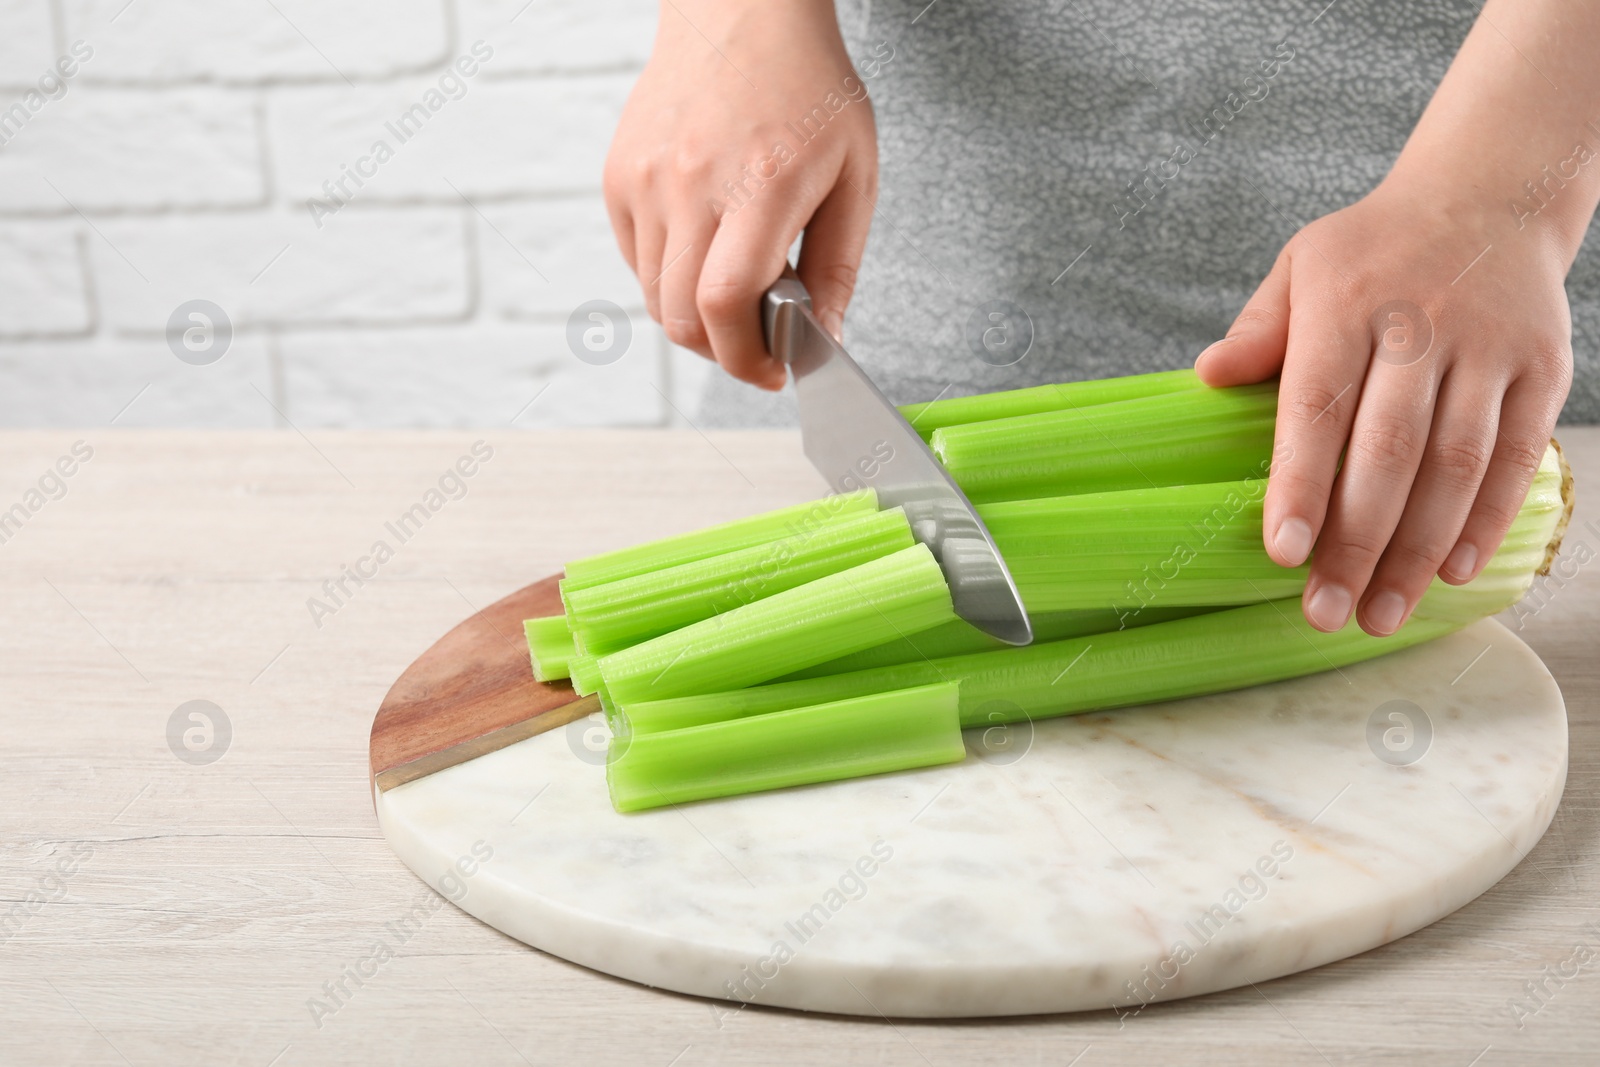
(205, 906)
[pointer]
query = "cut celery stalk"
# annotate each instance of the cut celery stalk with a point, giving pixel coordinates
(937, 414)
(961, 637)
(1174, 546)
(1206, 653)
(610, 617)
(1130, 552)
(585, 673)
(890, 597)
(867, 735)
(715, 540)
(1196, 435)
(549, 646)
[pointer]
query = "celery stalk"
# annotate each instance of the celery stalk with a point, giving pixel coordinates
(1206, 653)
(610, 617)
(866, 735)
(1529, 547)
(832, 616)
(937, 414)
(1174, 546)
(714, 540)
(1197, 435)
(585, 673)
(1125, 557)
(549, 646)
(961, 637)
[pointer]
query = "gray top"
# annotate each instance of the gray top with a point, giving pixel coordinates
(1010, 132)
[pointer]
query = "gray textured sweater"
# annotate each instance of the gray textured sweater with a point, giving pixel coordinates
(1116, 178)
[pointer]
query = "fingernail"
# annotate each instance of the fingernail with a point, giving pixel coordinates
(1386, 611)
(1210, 348)
(1329, 608)
(833, 322)
(1293, 541)
(1462, 559)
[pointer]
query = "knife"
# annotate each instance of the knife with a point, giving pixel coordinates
(856, 439)
(472, 693)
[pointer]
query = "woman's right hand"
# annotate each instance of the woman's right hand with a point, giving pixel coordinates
(748, 125)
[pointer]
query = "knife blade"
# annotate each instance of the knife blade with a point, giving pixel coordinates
(856, 439)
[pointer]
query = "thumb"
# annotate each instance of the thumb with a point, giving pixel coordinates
(1253, 350)
(831, 253)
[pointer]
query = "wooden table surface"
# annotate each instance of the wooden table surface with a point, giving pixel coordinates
(160, 910)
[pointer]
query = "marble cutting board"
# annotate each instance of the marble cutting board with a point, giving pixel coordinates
(1097, 861)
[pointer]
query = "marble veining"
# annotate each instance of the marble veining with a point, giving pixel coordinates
(1097, 861)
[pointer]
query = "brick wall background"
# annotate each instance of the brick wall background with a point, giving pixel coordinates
(176, 162)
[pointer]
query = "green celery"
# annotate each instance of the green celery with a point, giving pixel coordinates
(715, 540)
(832, 616)
(1201, 654)
(610, 617)
(549, 646)
(865, 735)
(960, 637)
(1529, 547)
(1056, 586)
(937, 414)
(1197, 435)
(1205, 653)
(1173, 546)
(585, 673)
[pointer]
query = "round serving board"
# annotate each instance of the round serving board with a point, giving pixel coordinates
(1094, 861)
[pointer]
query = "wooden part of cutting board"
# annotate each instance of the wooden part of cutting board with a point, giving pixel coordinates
(471, 693)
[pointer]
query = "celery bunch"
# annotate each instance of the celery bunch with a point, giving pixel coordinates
(818, 641)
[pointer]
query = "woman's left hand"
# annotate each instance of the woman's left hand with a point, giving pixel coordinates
(1430, 343)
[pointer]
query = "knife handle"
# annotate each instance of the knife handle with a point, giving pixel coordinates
(777, 305)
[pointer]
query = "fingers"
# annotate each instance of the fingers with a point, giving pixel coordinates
(703, 277)
(1526, 418)
(1253, 350)
(1380, 465)
(1322, 378)
(746, 256)
(835, 239)
(649, 238)
(1453, 465)
(688, 241)
(615, 188)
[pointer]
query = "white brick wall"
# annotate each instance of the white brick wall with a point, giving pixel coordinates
(556, 36)
(519, 375)
(265, 268)
(93, 381)
(25, 45)
(43, 277)
(177, 161)
(542, 259)
(506, 138)
(134, 150)
(256, 43)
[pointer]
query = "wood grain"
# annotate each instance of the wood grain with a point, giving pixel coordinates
(472, 692)
(217, 901)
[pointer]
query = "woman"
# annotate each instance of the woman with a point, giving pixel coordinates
(1084, 189)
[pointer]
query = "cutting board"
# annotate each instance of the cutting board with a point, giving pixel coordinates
(1090, 862)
